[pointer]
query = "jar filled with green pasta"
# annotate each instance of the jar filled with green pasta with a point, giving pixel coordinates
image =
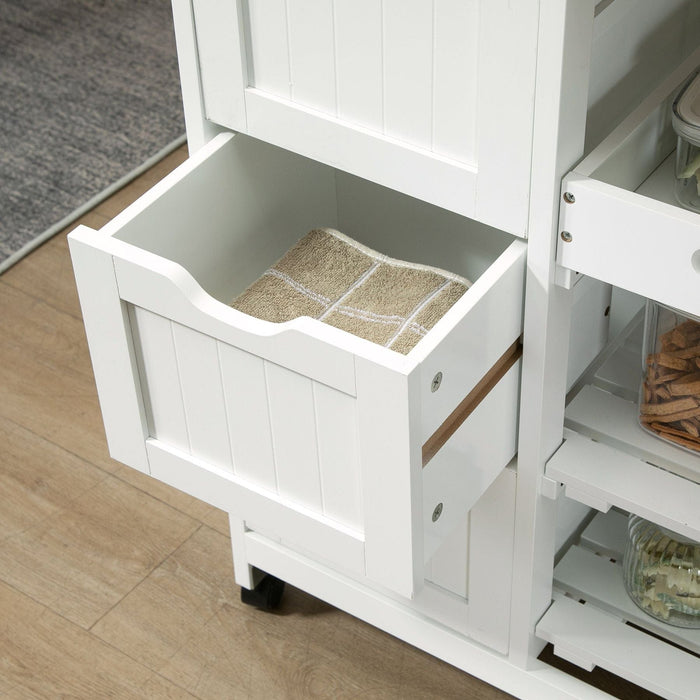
(662, 573)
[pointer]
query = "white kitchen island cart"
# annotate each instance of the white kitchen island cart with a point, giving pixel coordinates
(448, 495)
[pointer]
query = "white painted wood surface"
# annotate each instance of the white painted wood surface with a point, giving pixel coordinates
(390, 461)
(282, 407)
(221, 61)
(588, 637)
(158, 369)
(272, 427)
(631, 53)
(626, 226)
(449, 566)
(606, 534)
(245, 391)
(308, 530)
(495, 302)
(376, 87)
(111, 350)
(471, 460)
(468, 177)
(563, 54)
(602, 476)
(405, 620)
(614, 421)
(491, 573)
(597, 580)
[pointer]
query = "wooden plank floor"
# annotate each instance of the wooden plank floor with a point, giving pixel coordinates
(114, 585)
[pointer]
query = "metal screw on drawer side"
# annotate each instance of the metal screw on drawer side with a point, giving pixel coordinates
(437, 512)
(566, 237)
(569, 198)
(437, 380)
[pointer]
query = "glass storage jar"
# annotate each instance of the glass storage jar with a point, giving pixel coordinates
(669, 397)
(686, 123)
(661, 571)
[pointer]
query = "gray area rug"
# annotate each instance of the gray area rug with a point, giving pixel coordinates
(89, 94)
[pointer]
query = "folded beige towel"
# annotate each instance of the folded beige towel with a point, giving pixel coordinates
(330, 277)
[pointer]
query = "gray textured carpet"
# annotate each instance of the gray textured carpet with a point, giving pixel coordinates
(89, 91)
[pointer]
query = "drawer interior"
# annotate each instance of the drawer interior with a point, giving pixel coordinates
(230, 213)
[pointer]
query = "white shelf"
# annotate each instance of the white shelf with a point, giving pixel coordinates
(587, 623)
(589, 637)
(597, 580)
(601, 476)
(613, 421)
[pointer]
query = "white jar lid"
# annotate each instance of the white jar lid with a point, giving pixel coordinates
(686, 112)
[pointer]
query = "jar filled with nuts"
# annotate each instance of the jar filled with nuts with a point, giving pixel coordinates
(669, 400)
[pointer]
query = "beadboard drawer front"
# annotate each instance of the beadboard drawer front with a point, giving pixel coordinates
(384, 90)
(299, 429)
(619, 219)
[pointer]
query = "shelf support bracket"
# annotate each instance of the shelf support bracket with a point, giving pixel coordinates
(550, 487)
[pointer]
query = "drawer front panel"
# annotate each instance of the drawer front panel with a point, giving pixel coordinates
(395, 80)
(659, 242)
(274, 428)
(381, 88)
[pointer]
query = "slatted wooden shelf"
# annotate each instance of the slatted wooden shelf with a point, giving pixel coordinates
(587, 623)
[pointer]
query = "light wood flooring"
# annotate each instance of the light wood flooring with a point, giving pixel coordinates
(115, 586)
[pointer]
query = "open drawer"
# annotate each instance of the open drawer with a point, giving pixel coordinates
(383, 90)
(619, 220)
(341, 448)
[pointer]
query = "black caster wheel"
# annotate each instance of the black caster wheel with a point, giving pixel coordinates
(267, 595)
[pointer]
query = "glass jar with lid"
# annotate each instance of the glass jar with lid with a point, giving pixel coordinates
(686, 124)
(661, 571)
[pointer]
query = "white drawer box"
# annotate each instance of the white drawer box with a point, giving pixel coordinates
(337, 445)
(385, 90)
(625, 226)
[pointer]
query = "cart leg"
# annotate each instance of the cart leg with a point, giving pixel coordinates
(267, 595)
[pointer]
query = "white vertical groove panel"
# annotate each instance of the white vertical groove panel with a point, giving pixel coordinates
(455, 78)
(247, 411)
(358, 54)
(221, 53)
(408, 70)
(203, 398)
(293, 419)
(161, 378)
(336, 422)
(312, 53)
(268, 46)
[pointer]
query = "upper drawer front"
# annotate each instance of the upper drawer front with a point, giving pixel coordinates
(415, 95)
